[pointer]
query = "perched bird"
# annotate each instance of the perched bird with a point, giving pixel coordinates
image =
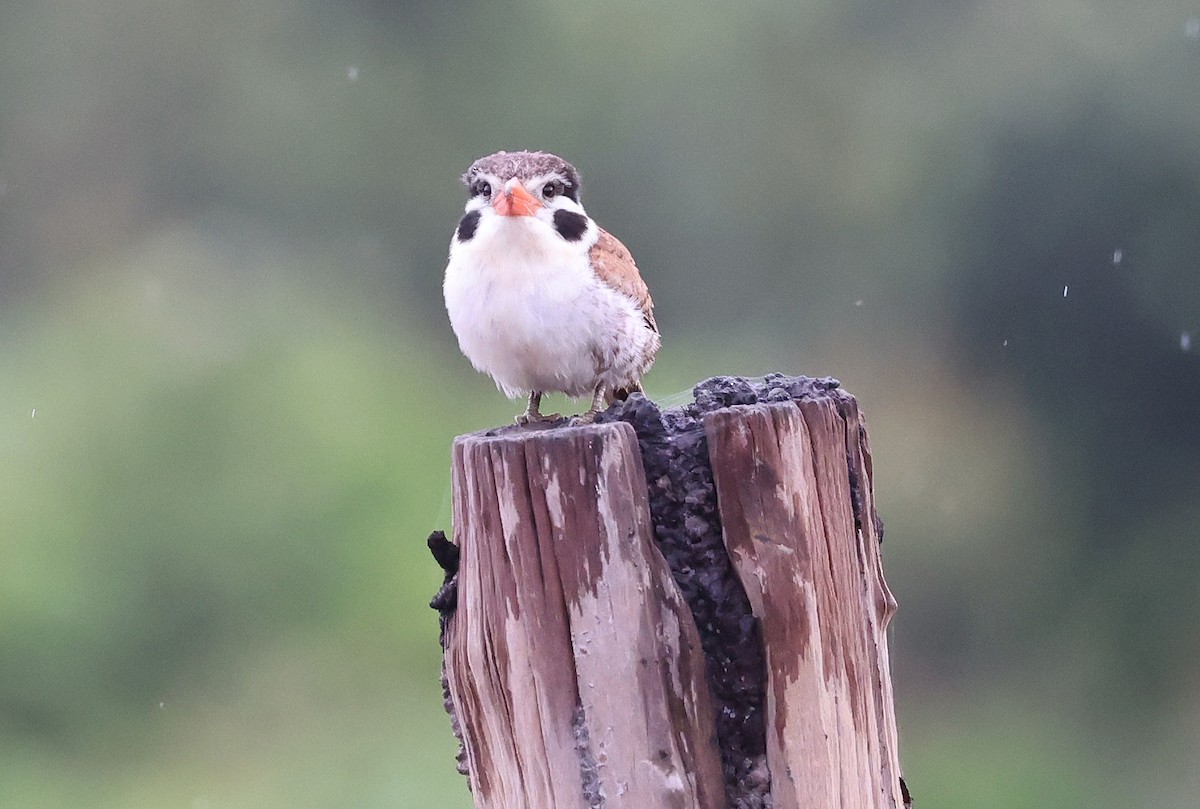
(540, 297)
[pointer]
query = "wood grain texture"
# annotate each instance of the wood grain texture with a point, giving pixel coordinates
(574, 666)
(794, 492)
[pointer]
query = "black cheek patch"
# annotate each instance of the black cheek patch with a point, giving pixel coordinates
(570, 225)
(467, 225)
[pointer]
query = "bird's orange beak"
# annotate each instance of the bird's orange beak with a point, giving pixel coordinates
(514, 200)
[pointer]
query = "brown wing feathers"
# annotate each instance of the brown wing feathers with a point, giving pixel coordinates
(614, 266)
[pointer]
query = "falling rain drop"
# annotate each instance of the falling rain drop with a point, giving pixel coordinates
(1191, 28)
(352, 73)
(1065, 288)
(1005, 344)
(1117, 256)
(1185, 341)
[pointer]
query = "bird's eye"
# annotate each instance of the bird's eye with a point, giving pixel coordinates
(551, 190)
(481, 188)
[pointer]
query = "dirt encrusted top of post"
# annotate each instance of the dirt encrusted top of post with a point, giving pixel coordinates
(688, 532)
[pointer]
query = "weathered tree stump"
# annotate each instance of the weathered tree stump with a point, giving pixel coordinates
(683, 610)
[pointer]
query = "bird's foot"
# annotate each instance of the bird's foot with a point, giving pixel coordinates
(525, 419)
(588, 417)
(533, 415)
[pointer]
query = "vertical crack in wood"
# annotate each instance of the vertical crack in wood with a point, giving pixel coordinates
(687, 530)
(589, 769)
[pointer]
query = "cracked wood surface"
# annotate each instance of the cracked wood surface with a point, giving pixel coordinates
(573, 664)
(809, 560)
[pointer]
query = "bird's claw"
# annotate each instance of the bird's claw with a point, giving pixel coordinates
(588, 417)
(527, 418)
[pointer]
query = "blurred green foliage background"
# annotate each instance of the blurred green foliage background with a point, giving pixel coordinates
(228, 388)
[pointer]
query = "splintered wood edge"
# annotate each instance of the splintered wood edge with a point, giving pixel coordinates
(815, 582)
(573, 663)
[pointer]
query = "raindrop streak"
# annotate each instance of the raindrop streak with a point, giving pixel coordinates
(1117, 256)
(1185, 341)
(33, 413)
(1065, 288)
(858, 302)
(1005, 343)
(352, 73)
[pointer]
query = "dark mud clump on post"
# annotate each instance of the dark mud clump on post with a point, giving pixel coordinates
(687, 529)
(445, 553)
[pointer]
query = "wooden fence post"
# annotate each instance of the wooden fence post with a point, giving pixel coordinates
(575, 669)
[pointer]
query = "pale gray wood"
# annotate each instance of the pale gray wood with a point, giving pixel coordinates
(814, 579)
(573, 664)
